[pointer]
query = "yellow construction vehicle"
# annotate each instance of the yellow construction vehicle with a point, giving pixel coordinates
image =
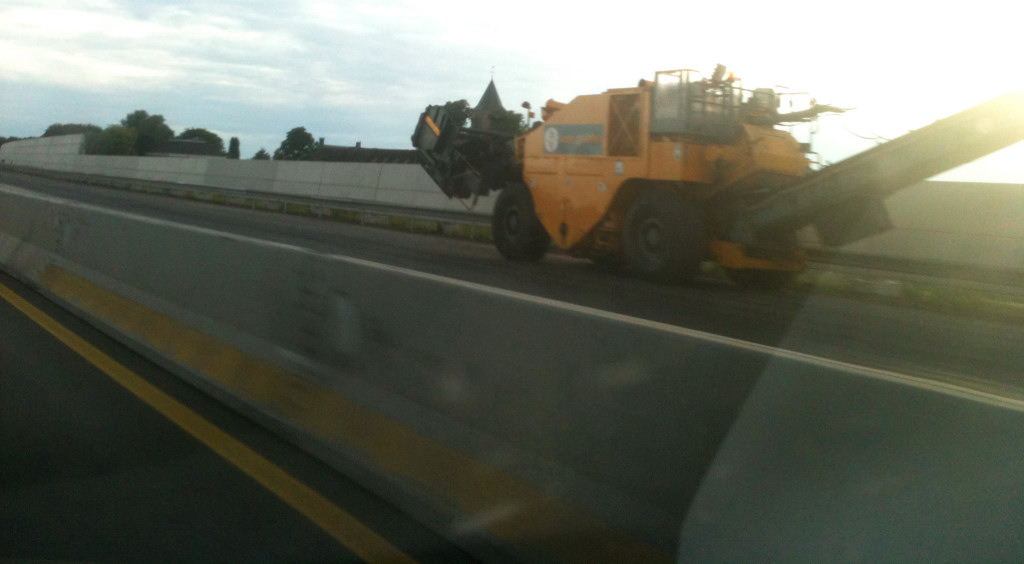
(669, 173)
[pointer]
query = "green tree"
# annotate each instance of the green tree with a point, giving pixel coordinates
(206, 136)
(458, 110)
(234, 150)
(508, 121)
(151, 131)
(8, 139)
(298, 145)
(114, 140)
(56, 129)
(261, 155)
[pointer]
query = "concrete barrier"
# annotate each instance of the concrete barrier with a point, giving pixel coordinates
(50, 153)
(253, 176)
(350, 181)
(955, 222)
(401, 185)
(516, 424)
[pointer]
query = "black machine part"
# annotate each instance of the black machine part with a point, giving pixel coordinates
(464, 162)
(845, 200)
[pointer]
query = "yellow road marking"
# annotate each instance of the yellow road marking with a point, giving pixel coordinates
(345, 528)
(537, 521)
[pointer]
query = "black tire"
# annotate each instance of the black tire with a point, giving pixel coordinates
(518, 233)
(760, 279)
(664, 238)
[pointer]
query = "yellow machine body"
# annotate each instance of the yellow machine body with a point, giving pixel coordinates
(589, 157)
(664, 175)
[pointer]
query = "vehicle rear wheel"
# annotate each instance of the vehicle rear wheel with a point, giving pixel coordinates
(518, 233)
(664, 238)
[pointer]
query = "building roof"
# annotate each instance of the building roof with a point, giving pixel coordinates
(490, 101)
(359, 154)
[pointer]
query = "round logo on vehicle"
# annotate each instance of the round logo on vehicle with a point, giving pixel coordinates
(550, 139)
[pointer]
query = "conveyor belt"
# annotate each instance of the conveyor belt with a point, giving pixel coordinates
(848, 193)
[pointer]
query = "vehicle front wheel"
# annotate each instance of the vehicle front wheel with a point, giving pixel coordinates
(518, 233)
(664, 238)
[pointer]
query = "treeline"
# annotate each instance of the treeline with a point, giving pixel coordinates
(140, 133)
(506, 121)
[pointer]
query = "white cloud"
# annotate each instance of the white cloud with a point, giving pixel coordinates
(260, 68)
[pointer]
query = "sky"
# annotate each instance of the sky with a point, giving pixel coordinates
(361, 71)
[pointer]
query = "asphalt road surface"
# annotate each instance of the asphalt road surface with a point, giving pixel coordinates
(976, 352)
(91, 469)
(107, 464)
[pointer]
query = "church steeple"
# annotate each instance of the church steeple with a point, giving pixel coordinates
(489, 102)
